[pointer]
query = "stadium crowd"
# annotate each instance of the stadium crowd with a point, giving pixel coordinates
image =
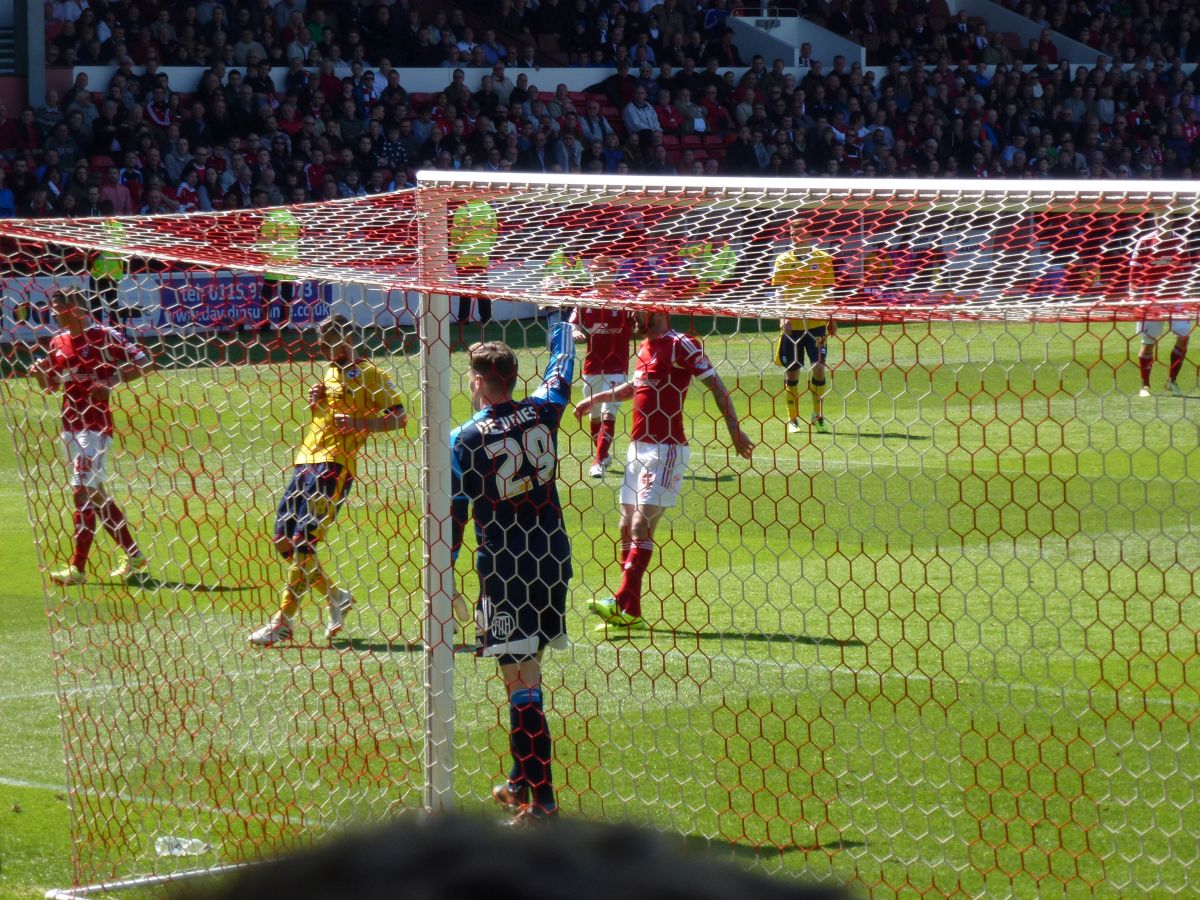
(681, 101)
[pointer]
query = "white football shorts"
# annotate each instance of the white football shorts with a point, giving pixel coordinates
(1152, 331)
(654, 473)
(87, 455)
(594, 384)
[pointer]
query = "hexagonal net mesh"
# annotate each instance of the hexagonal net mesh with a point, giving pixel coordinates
(934, 633)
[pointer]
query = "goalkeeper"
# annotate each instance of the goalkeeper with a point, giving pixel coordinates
(279, 241)
(804, 275)
(353, 400)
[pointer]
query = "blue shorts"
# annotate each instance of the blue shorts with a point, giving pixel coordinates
(794, 348)
(310, 503)
(522, 606)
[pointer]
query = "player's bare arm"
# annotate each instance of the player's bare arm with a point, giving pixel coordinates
(125, 374)
(394, 419)
(318, 394)
(741, 441)
(46, 377)
(617, 394)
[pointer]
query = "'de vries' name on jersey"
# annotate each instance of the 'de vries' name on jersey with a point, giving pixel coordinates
(504, 467)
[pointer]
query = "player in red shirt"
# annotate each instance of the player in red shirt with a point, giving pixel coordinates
(607, 333)
(667, 361)
(86, 362)
(1156, 271)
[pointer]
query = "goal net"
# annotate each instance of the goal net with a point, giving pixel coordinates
(941, 641)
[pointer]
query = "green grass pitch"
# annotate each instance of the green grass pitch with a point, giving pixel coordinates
(949, 648)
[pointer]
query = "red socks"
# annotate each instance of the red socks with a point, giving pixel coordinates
(85, 532)
(1145, 363)
(629, 594)
(1176, 364)
(603, 438)
(114, 523)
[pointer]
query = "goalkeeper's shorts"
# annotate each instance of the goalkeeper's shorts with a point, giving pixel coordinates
(310, 503)
(519, 617)
(793, 349)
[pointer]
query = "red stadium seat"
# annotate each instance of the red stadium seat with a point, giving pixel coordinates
(577, 97)
(713, 140)
(692, 140)
(700, 154)
(670, 141)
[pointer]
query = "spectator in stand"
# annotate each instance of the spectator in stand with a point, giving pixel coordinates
(640, 118)
(669, 119)
(593, 126)
(567, 154)
(113, 192)
(8, 201)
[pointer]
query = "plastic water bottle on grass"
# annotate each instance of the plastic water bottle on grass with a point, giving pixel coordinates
(180, 846)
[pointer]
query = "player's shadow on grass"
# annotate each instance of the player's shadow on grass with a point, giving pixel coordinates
(763, 637)
(712, 479)
(149, 583)
(362, 646)
(719, 846)
(886, 435)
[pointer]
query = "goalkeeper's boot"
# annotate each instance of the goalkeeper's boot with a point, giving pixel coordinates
(69, 575)
(597, 470)
(509, 795)
(532, 816)
(1145, 392)
(820, 424)
(793, 426)
(132, 567)
(341, 601)
(277, 631)
(1173, 389)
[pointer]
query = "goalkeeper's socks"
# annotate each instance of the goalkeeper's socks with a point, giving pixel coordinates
(114, 523)
(85, 533)
(792, 389)
(314, 576)
(531, 746)
(629, 594)
(596, 423)
(1176, 364)
(1145, 363)
(608, 431)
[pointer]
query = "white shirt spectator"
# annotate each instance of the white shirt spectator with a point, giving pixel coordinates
(640, 115)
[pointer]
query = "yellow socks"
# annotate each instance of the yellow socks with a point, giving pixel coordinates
(792, 388)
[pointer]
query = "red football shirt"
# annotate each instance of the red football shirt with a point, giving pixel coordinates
(665, 368)
(83, 362)
(1156, 270)
(609, 332)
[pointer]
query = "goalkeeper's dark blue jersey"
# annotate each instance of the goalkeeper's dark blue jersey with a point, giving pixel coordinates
(505, 464)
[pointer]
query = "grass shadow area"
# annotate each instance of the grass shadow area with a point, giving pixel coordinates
(703, 846)
(885, 435)
(150, 583)
(361, 646)
(761, 637)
